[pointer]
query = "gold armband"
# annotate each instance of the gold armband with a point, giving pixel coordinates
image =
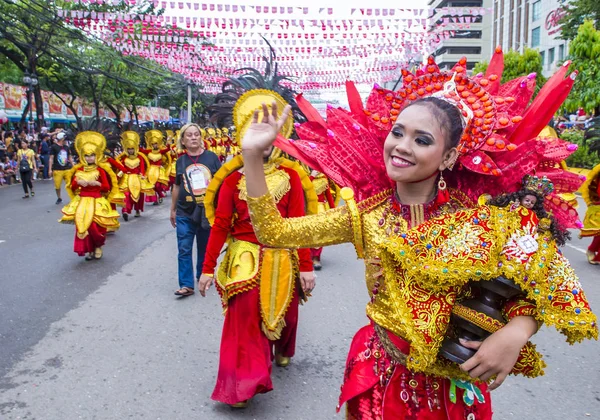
(348, 196)
(212, 276)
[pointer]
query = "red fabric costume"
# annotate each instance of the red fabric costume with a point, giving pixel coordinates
(96, 233)
(118, 163)
(246, 353)
(160, 189)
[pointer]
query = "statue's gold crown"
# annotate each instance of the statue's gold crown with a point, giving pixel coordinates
(542, 186)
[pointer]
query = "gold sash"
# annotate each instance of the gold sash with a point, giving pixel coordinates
(591, 222)
(247, 265)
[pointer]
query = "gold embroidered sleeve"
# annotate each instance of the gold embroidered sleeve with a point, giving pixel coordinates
(328, 228)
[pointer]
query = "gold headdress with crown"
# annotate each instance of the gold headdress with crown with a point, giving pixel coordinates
(90, 143)
(154, 136)
(251, 101)
(130, 140)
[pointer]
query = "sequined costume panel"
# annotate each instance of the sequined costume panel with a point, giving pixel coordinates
(313, 231)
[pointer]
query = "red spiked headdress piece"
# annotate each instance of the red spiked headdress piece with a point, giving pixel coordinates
(499, 145)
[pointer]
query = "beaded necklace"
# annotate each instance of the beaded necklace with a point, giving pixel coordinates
(414, 214)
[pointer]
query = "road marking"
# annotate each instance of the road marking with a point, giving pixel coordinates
(576, 248)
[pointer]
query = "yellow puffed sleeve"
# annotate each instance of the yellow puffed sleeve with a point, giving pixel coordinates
(332, 227)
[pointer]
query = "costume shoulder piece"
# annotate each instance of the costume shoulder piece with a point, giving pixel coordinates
(488, 242)
(237, 163)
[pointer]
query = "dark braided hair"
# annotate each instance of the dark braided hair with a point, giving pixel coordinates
(560, 235)
(447, 115)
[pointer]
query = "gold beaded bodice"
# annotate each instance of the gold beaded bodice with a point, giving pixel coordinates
(401, 302)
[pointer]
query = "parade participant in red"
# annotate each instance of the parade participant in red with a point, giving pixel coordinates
(424, 239)
(175, 153)
(92, 186)
(323, 189)
(260, 287)
(132, 165)
(591, 222)
(159, 158)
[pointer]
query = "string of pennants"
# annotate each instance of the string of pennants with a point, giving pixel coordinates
(320, 48)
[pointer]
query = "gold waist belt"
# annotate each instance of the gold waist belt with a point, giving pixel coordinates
(247, 265)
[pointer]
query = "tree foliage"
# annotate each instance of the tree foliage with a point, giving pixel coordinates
(517, 65)
(584, 51)
(67, 60)
(577, 12)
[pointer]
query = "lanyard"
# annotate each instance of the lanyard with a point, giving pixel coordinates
(192, 159)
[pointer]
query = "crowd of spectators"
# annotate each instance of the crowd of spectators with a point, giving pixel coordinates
(11, 141)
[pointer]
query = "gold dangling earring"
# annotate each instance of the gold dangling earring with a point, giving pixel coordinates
(442, 196)
(441, 183)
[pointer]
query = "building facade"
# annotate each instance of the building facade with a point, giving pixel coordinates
(473, 42)
(517, 24)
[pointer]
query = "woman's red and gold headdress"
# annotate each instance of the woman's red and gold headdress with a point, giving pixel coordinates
(499, 145)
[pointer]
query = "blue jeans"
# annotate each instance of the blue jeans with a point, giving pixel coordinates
(186, 231)
(45, 161)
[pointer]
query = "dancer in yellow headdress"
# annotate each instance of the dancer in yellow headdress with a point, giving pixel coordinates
(159, 158)
(133, 166)
(92, 186)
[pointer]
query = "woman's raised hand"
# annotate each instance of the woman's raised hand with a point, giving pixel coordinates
(261, 134)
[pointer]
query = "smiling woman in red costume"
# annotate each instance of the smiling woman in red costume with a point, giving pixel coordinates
(407, 215)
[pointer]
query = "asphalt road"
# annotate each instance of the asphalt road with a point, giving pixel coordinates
(108, 340)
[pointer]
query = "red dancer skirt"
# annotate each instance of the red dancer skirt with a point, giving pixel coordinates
(160, 192)
(394, 392)
(132, 205)
(95, 239)
(316, 253)
(595, 247)
(246, 353)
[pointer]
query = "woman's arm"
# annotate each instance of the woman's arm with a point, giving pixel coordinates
(328, 228)
(496, 355)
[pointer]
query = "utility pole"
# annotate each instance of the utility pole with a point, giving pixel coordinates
(189, 103)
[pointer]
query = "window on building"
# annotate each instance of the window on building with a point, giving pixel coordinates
(464, 50)
(561, 52)
(543, 54)
(518, 35)
(467, 34)
(550, 57)
(535, 37)
(536, 12)
(510, 28)
(526, 22)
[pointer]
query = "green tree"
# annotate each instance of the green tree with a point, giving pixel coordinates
(9, 72)
(517, 65)
(584, 51)
(34, 39)
(577, 11)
